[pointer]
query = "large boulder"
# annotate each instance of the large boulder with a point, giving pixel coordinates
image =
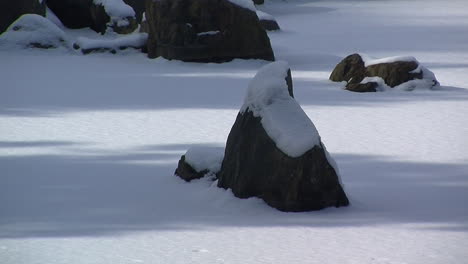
(33, 31)
(99, 15)
(206, 30)
(274, 151)
(10, 10)
(364, 74)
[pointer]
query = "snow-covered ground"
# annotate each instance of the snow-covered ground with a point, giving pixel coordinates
(89, 144)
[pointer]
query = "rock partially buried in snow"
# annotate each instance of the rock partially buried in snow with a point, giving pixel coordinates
(199, 162)
(267, 21)
(206, 31)
(274, 151)
(11, 10)
(135, 41)
(99, 15)
(363, 74)
(33, 31)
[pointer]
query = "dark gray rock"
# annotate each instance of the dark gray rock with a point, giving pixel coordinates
(74, 13)
(139, 8)
(187, 172)
(253, 165)
(10, 10)
(269, 25)
(205, 31)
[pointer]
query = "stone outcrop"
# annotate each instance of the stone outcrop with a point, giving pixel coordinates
(205, 31)
(390, 72)
(86, 13)
(255, 165)
(10, 10)
(187, 172)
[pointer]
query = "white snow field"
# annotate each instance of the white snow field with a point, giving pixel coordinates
(89, 145)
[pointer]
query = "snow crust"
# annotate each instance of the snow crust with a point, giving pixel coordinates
(32, 28)
(282, 117)
(248, 4)
(116, 8)
(368, 61)
(205, 158)
(132, 40)
(264, 16)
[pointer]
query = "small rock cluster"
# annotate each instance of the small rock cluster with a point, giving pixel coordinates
(374, 75)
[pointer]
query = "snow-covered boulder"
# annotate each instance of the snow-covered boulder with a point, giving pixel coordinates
(199, 162)
(139, 8)
(99, 15)
(206, 31)
(33, 31)
(267, 21)
(274, 150)
(365, 74)
(10, 10)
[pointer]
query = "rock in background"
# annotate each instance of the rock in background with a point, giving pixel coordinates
(371, 75)
(10, 10)
(274, 151)
(205, 31)
(98, 15)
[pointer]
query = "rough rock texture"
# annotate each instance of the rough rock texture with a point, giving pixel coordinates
(10, 10)
(187, 172)
(362, 87)
(352, 69)
(394, 73)
(254, 166)
(205, 31)
(139, 8)
(269, 24)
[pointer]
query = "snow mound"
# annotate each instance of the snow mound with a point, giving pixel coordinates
(368, 60)
(281, 116)
(205, 158)
(33, 30)
(135, 40)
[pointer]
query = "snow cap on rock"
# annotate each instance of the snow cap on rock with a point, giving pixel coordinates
(282, 117)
